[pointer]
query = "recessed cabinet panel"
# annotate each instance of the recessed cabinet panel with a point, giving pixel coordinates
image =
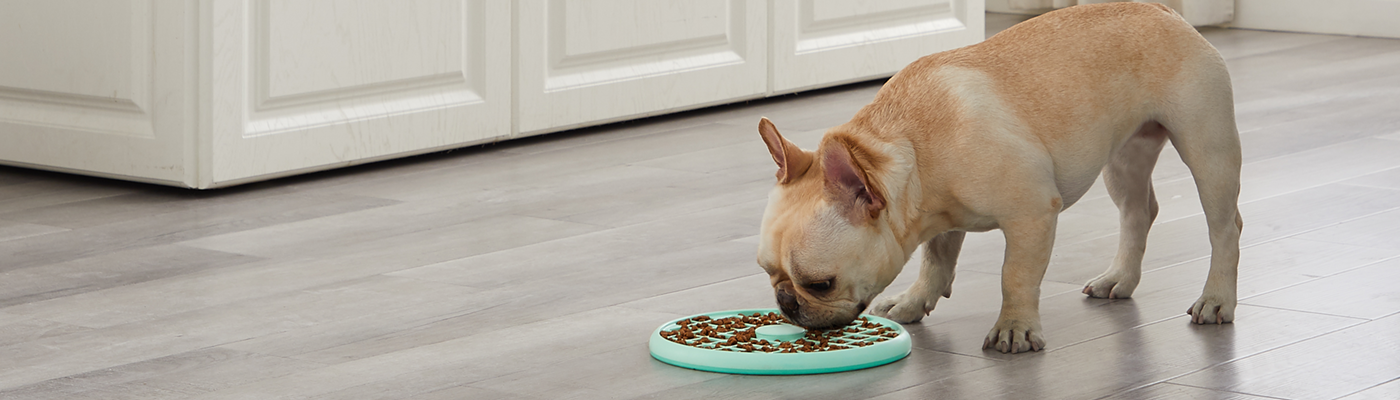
(317, 84)
(597, 27)
(598, 61)
(336, 45)
(80, 82)
(815, 41)
(102, 52)
(77, 66)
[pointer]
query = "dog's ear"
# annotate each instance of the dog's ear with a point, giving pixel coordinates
(848, 182)
(792, 160)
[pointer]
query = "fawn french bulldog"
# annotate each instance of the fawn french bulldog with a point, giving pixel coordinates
(1006, 134)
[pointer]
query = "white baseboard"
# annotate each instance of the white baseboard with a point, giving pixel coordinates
(1004, 7)
(1379, 18)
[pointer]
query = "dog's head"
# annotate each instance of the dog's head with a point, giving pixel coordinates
(825, 239)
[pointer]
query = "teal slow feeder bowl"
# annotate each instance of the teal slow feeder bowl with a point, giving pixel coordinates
(775, 348)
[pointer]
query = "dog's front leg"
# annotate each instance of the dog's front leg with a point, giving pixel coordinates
(1028, 243)
(935, 280)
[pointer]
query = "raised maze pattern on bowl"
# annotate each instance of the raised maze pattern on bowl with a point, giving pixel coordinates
(736, 333)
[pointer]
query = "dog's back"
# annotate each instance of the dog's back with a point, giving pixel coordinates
(1053, 70)
(1078, 81)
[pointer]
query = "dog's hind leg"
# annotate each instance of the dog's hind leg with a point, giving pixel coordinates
(1128, 177)
(1204, 133)
(935, 280)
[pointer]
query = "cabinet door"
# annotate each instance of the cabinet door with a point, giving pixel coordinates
(587, 62)
(97, 88)
(316, 84)
(824, 42)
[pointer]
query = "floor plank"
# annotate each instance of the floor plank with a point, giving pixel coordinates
(1326, 367)
(1169, 391)
(1369, 293)
(109, 270)
(1385, 391)
(1131, 358)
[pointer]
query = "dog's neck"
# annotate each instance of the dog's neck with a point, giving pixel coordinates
(918, 209)
(914, 214)
(898, 177)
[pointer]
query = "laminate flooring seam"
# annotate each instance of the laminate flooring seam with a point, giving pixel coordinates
(1242, 299)
(1263, 242)
(603, 229)
(1330, 38)
(624, 303)
(1196, 387)
(1237, 358)
(996, 364)
(1270, 197)
(1138, 326)
(1387, 170)
(1362, 319)
(1304, 344)
(1276, 195)
(106, 239)
(1369, 388)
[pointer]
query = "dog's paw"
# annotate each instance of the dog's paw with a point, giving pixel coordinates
(1112, 286)
(1213, 309)
(1014, 336)
(904, 308)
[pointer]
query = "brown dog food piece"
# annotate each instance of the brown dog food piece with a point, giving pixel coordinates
(739, 334)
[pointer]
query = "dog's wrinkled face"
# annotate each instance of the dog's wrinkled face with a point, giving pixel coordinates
(824, 242)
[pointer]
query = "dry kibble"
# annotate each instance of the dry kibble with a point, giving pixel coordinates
(739, 334)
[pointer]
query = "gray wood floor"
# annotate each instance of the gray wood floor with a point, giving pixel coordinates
(537, 268)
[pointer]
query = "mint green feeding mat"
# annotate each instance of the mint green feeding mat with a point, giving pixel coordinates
(756, 342)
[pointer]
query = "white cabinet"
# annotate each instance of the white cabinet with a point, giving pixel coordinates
(824, 42)
(302, 84)
(96, 87)
(588, 62)
(212, 93)
(215, 93)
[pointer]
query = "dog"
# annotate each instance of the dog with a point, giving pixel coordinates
(1006, 134)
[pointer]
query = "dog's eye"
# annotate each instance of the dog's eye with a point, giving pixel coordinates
(819, 286)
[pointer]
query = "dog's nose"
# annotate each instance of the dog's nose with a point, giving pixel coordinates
(786, 300)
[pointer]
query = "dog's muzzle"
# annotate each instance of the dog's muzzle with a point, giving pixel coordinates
(787, 300)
